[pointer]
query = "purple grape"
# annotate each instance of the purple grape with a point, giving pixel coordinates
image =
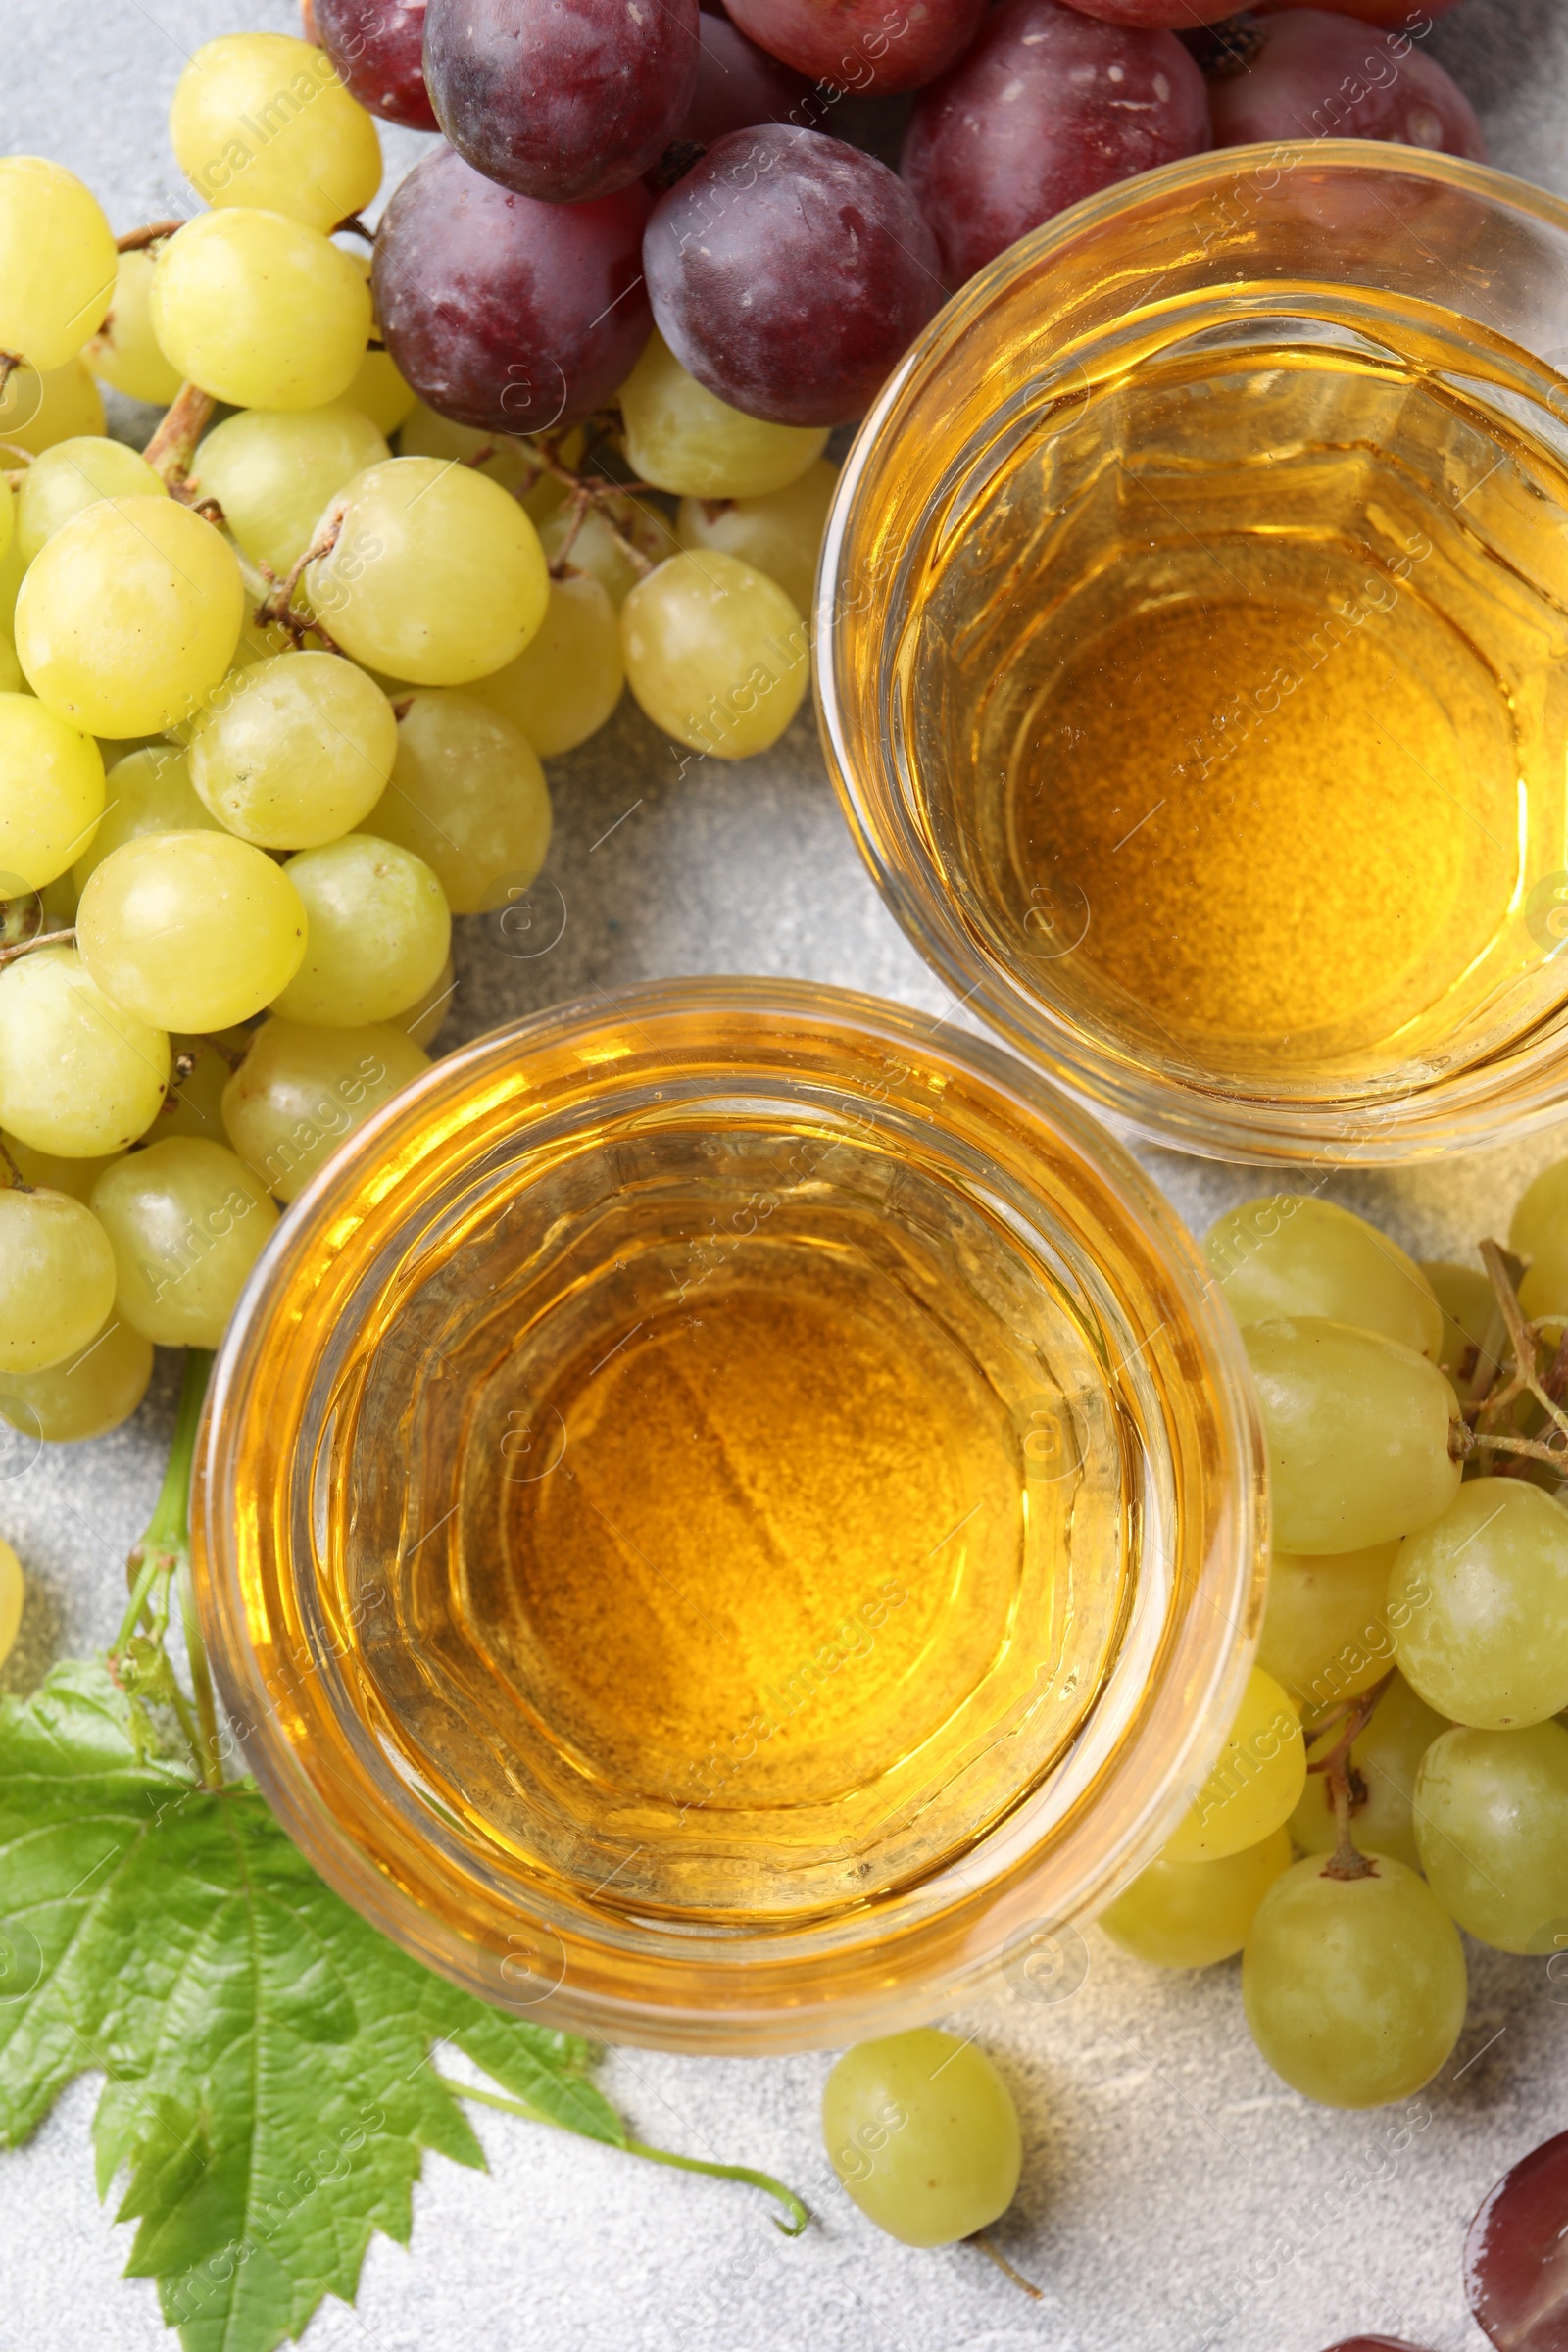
(739, 86)
(864, 45)
(1375, 2343)
(788, 273)
(505, 313)
(564, 100)
(377, 46)
(1321, 76)
(1048, 106)
(1516, 2254)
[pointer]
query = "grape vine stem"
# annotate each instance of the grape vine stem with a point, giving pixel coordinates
(1347, 1860)
(163, 1559)
(993, 2254)
(39, 939)
(171, 448)
(137, 240)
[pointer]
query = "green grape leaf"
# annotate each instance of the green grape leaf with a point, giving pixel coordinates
(271, 2093)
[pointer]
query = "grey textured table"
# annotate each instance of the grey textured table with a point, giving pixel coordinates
(1175, 2194)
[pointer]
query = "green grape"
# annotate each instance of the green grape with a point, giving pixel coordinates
(186, 1222)
(1479, 1602)
(12, 1594)
(57, 262)
(596, 547)
(1539, 1233)
(1469, 1303)
(1386, 1756)
(299, 1092)
(261, 311)
(780, 534)
(425, 1019)
(45, 1172)
(129, 615)
(85, 1396)
(1191, 1913)
(79, 1076)
(259, 119)
(11, 569)
(563, 685)
(194, 1104)
(380, 932)
(381, 393)
(922, 2132)
(51, 790)
(258, 641)
(1254, 1784)
(37, 412)
(192, 931)
(126, 352)
(1357, 1431)
(1492, 1823)
(74, 475)
(1326, 1631)
(8, 514)
(678, 436)
(272, 471)
(1354, 1989)
(436, 576)
(468, 796)
(57, 1278)
(509, 460)
(10, 678)
(147, 792)
(1292, 1254)
(715, 654)
(297, 754)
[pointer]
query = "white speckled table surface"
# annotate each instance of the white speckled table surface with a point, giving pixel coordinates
(1175, 2194)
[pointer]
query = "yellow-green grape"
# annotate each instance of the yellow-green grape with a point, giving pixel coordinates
(563, 686)
(10, 678)
(129, 615)
(147, 792)
(74, 475)
(468, 796)
(57, 1278)
(600, 546)
(259, 119)
(38, 411)
(1479, 1604)
(715, 654)
(1539, 1233)
(678, 436)
(193, 931)
(1326, 1633)
(780, 534)
(126, 352)
(1256, 1781)
(1289, 1253)
(1469, 1303)
(380, 932)
(85, 1396)
(508, 459)
(186, 1221)
(299, 1092)
(57, 262)
(272, 471)
(1357, 1430)
(13, 1594)
(1354, 1989)
(8, 516)
(297, 754)
(258, 641)
(381, 393)
(1385, 1760)
(261, 311)
(425, 1019)
(1492, 1823)
(45, 1172)
(1191, 1913)
(51, 790)
(436, 576)
(922, 2132)
(194, 1104)
(12, 571)
(79, 1076)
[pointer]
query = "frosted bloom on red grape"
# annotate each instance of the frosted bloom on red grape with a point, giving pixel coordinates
(868, 46)
(1324, 76)
(378, 47)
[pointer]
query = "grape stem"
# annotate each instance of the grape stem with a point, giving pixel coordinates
(10, 362)
(277, 607)
(993, 2254)
(1509, 1357)
(585, 491)
(137, 240)
(19, 1182)
(39, 939)
(1347, 1860)
(160, 1561)
(171, 448)
(352, 226)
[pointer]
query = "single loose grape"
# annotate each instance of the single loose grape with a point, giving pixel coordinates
(261, 311)
(261, 119)
(1256, 1781)
(272, 471)
(86, 1396)
(1386, 1759)
(126, 352)
(299, 1092)
(1289, 1253)
(57, 262)
(38, 411)
(380, 932)
(79, 1076)
(74, 475)
(57, 1278)
(715, 654)
(186, 1222)
(1326, 1631)
(128, 616)
(1354, 1989)
(922, 2132)
(299, 751)
(1357, 1431)
(191, 931)
(1469, 1304)
(51, 790)
(1191, 1913)
(563, 685)
(1492, 1823)
(468, 796)
(780, 534)
(435, 574)
(679, 436)
(1479, 1604)
(597, 543)
(147, 792)
(46, 1172)
(12, 1594)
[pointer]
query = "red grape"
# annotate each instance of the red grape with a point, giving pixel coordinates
(788, 273)
(561, 99)
(506, 313)
(1318, 75)
(739, 86)
(1047, 106)
(879, 45)
(377, 46)
(1375, 2343)
(1170, 16)
(1516, 2255)
(1393, 14)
